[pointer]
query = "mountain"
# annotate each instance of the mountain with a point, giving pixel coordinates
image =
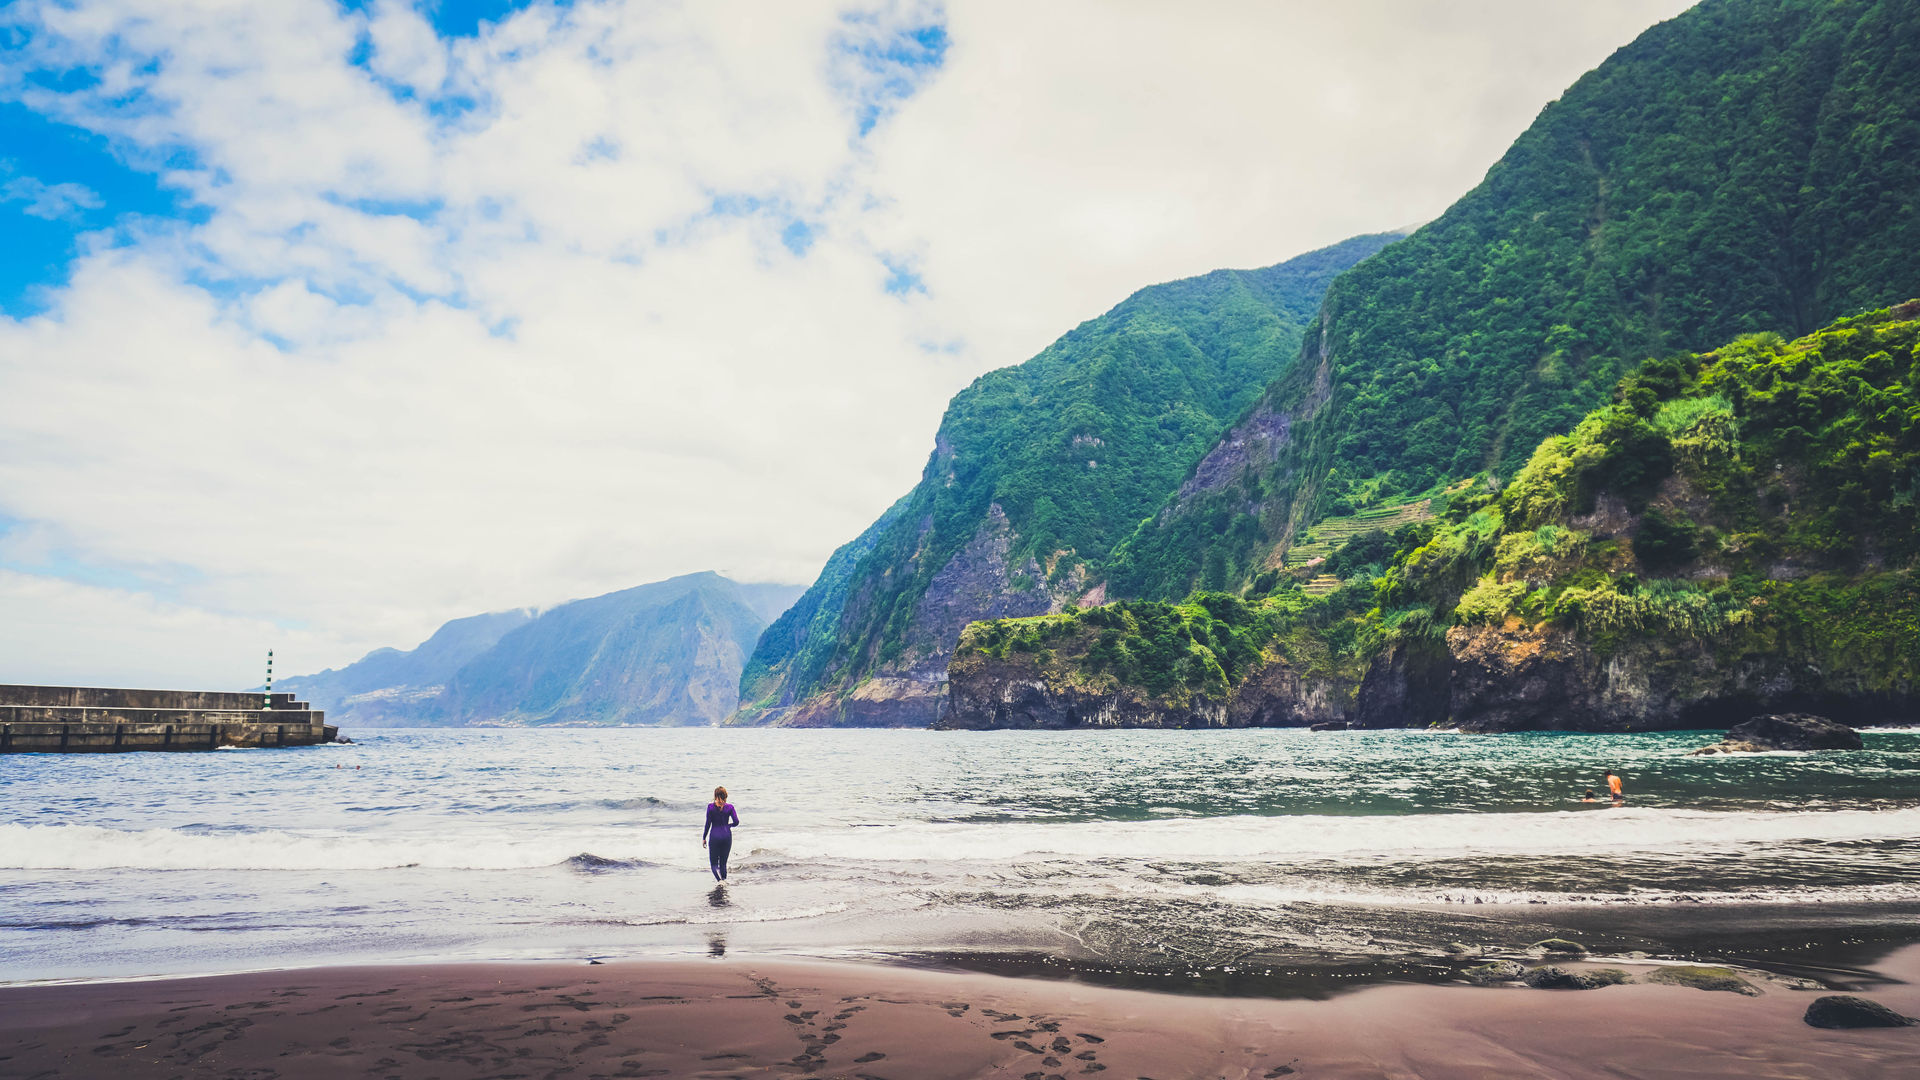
(391, 686)
(660, 654)
(1738, 532)
(1037, 471)
(1751, 165)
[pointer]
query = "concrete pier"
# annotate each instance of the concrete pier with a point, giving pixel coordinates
(88, 720)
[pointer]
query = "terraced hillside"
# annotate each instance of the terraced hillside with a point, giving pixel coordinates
(1329, 533)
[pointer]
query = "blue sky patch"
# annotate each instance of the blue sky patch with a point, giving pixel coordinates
(797, 236)
(56, 183)
(902, 279)
(880, 66)
(463, 18)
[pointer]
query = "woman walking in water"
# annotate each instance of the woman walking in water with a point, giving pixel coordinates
(721, 818)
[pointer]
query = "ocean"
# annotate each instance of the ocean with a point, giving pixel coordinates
(1220, 856)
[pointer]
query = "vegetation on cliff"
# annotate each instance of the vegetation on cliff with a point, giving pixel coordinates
(1749, 166)
(1074, 447)
(1759, 499)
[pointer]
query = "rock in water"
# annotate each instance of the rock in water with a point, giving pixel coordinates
(1786, 731)
(1795, 731)
(1328, 725)
(1729, 747)
(1846, 1011)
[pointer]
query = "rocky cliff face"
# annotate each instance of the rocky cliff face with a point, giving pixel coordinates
(1519, 678)
(1513, 678)
(983, 580)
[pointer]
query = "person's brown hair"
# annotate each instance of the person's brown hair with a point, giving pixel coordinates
(719, 794)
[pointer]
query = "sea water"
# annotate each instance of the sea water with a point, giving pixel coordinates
(1167, 852)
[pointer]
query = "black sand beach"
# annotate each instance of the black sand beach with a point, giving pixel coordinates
(869, 1022)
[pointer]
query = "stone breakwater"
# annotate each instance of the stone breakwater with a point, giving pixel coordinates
(83, 720)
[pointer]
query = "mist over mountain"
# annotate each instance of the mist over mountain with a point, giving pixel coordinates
(667, 653)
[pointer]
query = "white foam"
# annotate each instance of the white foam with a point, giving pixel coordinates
(1597, 829)
(88, 847)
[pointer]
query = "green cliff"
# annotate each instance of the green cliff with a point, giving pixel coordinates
(1038, 470)
(1736, 532)
(1751, 165)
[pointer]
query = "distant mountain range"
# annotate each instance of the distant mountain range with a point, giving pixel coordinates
(664, 654)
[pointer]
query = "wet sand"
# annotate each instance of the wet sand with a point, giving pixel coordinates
(870, 1022)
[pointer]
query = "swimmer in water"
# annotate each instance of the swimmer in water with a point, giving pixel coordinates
(721, 820)
(1613, 785)
(1589, 796)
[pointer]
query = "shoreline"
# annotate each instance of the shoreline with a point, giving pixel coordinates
(1840, 944)
(831, 1018)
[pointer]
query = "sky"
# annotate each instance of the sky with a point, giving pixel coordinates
(325, 321)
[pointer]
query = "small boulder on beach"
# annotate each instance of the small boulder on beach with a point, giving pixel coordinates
(1705, 978)
(1556, 978)
(1785, 731)
(1560, 946)
(1847, 1011)
(1499, 971)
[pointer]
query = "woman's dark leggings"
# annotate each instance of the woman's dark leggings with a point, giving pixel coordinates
(717, 851)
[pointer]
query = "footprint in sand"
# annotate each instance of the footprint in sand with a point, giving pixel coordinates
(865, 1058)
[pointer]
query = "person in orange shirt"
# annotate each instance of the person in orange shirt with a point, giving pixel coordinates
(1613, 785)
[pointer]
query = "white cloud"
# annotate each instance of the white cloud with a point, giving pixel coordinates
(49, 201)
(65, 633)
(508, 320)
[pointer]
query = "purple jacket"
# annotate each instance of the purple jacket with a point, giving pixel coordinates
(720, 822)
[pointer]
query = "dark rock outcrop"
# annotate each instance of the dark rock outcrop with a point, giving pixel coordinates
(1557, 978)
(1020, 692)
(1795, 731)
(985, 694)
(1522, 678)
(1846, 1011)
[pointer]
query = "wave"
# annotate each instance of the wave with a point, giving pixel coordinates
(1218, 839)
(1599, 829)
(588, 863)
(89, 847)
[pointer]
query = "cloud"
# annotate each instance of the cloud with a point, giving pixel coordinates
(63, 633)
(610, 291)
(50, 201)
